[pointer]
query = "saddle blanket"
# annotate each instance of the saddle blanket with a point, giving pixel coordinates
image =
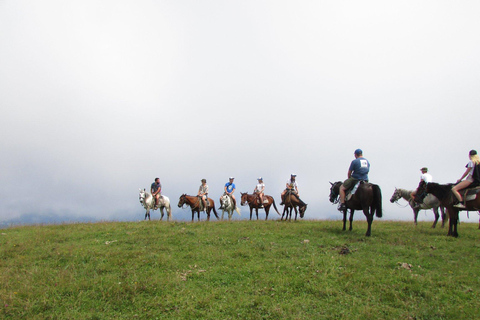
(471, 194)
(352, 191)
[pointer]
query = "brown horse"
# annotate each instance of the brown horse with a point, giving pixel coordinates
(368, 198)
(253, 201)
(444, 193)
(291, 202)
(196, 205)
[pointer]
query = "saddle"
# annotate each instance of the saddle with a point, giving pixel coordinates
(257, 199)
(350, 192)
(470, 194)
(200, 205)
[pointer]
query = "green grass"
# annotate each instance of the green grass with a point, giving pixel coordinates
(239, 270)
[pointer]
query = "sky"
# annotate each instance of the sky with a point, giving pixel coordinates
(97, 98)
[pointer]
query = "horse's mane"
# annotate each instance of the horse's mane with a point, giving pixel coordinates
(441, 191)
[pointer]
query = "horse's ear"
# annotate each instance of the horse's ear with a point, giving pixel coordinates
(331, 183)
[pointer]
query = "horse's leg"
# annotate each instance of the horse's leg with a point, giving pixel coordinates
(415, 215)
(351, 219)
(251, 212)
(267, 208)
(455, 233)
(437, 216)
(193, 215)
(369, 216)
(256, 212)
(161, 213)
(344, 220)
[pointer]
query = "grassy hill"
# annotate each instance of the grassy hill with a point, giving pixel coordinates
(239, 270)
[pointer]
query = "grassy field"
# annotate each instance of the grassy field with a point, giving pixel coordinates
(239, 270)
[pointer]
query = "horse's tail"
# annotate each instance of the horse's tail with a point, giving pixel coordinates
(214, 211)
(238, 211)
(274, 206)
(377, 200)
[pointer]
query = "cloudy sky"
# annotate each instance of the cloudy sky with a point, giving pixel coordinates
(100, 97)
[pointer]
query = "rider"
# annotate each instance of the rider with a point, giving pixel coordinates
(358, 171)
(228, 190)
(156, 191)
(259, 189)
(292, 186)
(203, 193)
(426, 177)
(473, 177)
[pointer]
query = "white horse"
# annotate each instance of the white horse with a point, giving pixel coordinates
(430, 202)
(148, 202)
(227, 205)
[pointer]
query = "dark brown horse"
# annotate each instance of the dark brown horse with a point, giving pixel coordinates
(196, 204)
(253, 201)
(368, 198)
(291, 203)
(444, 193)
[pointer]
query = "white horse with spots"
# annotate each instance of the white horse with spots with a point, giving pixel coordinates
(148, 202)
(227, 205)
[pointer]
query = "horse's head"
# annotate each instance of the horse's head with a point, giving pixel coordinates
(182, 200)
(244, 198)
(142, 196)
(302, 210)
(225, 201)
(335, 191)
(396, 195)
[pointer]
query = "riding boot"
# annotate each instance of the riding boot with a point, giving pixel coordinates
(281, 203)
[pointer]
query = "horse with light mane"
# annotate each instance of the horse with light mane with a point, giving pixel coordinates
(227, 205)
(148, 202)
(253, 201)
(291, 202)
(430, 202)
(196, 205)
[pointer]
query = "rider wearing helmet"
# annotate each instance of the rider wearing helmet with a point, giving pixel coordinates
(358, 171)
(473, 177)
(259, 189)
(291, 186)
(203, 193)
(228, 190)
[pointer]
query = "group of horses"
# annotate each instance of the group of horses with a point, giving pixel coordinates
(291, 203)
(367, 197)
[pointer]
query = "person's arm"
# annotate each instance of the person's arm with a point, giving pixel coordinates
(349, 174)
(464, 174)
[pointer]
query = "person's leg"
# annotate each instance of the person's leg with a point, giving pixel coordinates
(462, 185)
(282, 196)
(342, 193)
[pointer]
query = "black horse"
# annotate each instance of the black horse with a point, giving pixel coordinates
(368, 198)
(444, 193)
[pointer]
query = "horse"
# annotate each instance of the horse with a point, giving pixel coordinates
(368, 198)
(227, 205)
(196, 204)
(148, 202)
(430, 202)
(444, 193)
(254, 202)
(291, 203)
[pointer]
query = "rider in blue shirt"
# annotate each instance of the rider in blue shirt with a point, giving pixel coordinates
(228, 190)
(358, 171)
